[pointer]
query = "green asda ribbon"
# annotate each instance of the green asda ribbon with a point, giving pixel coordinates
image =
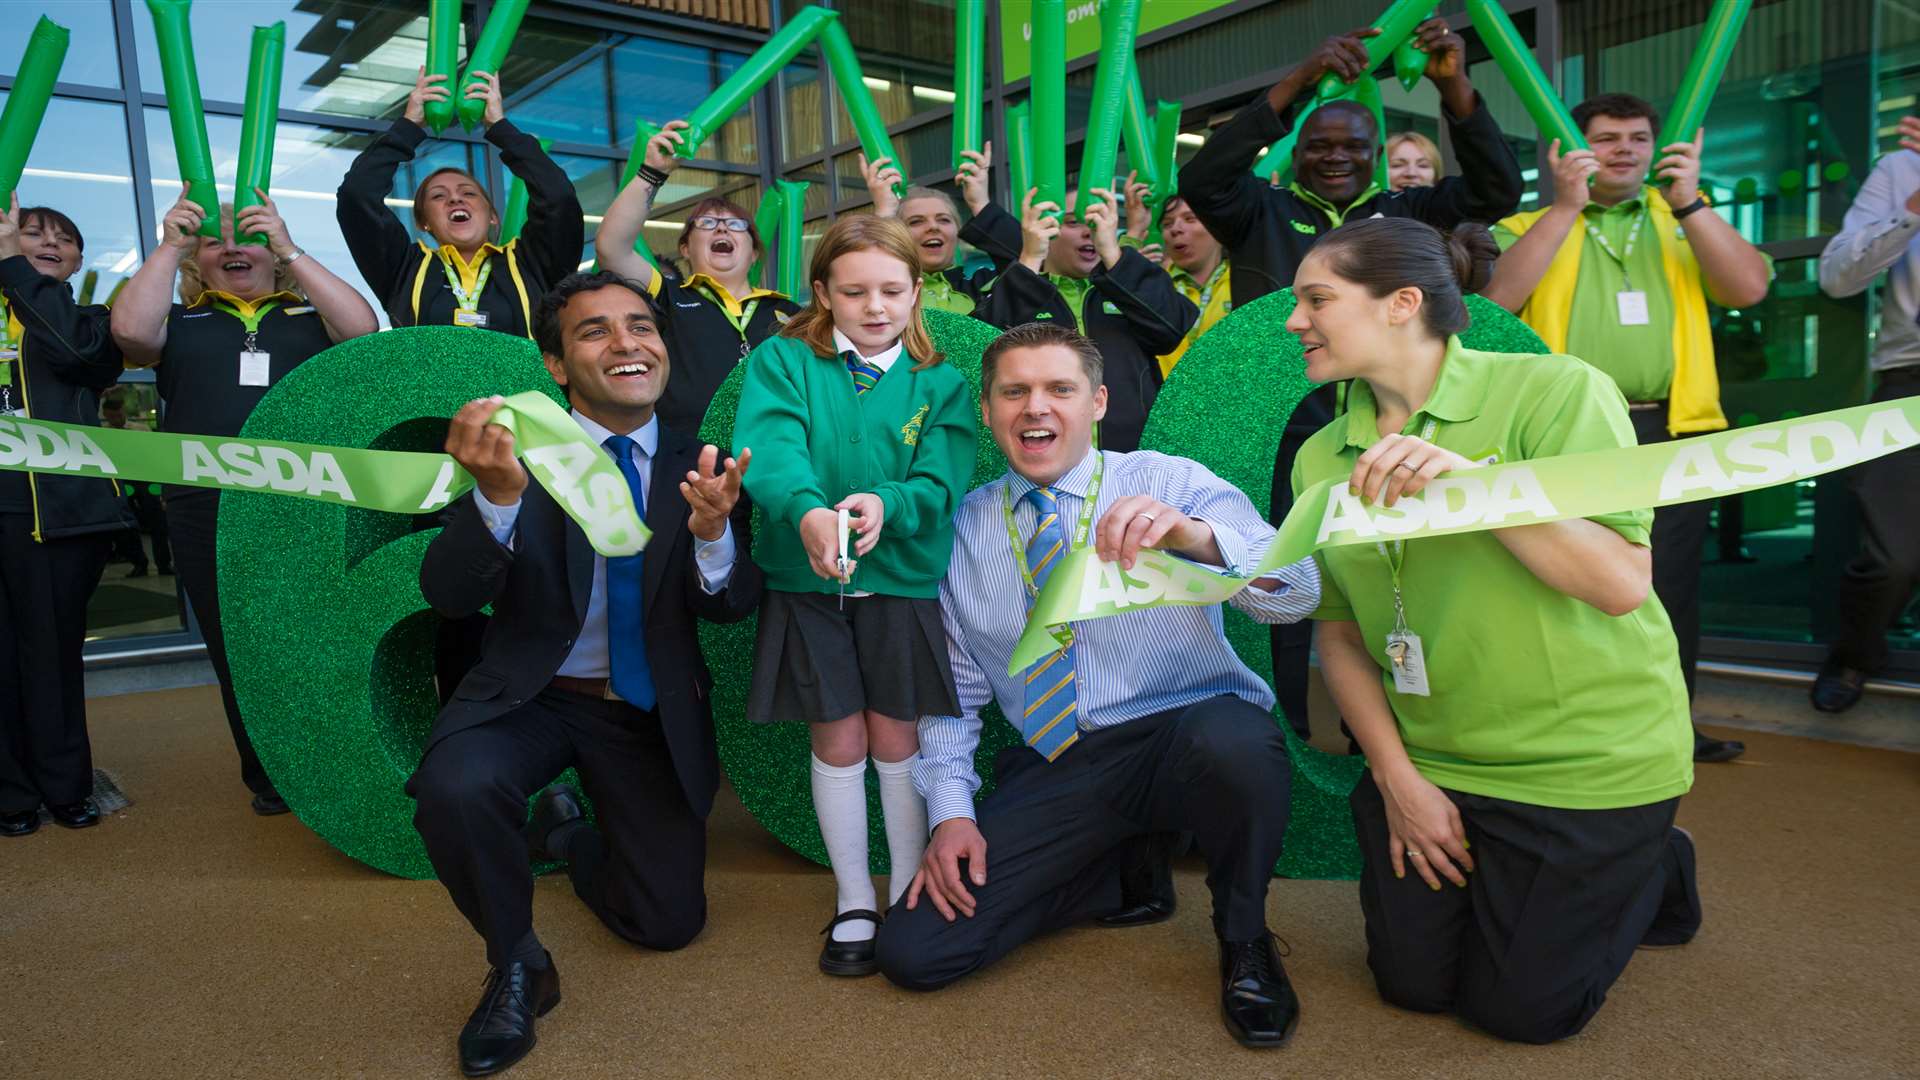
(1328, 514)
(581, 478)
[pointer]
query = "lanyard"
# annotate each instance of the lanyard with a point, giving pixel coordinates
(10, 345)
(1633, 234)
(739, 324)
(1213, 282)
(250, 321)
(1079, 531)
(468, 300)
(1397, 557)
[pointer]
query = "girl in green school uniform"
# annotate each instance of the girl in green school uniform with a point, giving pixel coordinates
(1517, 691)
(851, 409)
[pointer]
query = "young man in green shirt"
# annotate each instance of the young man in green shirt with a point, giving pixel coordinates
(1618, 272)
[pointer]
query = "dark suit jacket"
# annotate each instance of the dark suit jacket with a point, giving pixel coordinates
(539, 594)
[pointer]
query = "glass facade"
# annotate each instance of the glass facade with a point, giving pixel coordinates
(1809, 101)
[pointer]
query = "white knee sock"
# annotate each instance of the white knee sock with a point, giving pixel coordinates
(906, 814)
(840, 802)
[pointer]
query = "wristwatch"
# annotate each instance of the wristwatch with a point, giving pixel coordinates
(1698, 204)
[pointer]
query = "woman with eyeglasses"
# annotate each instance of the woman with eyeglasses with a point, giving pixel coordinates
(715, 316)
(463, 277)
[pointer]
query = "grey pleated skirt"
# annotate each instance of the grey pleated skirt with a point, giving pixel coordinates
(815, 661)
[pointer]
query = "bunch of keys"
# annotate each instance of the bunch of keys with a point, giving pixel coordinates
(845, 563)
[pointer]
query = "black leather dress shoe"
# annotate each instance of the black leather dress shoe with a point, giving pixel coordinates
(500, 1031)
(1256, 1000)
(20, 823)
(851, 958)
(78, 815)
(1708, 750)
(1838, 688)
(556, 806)
(1146, 887)
(269, 803)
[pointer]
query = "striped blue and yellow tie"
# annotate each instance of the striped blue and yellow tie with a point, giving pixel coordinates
(1051, 722)
(865, 375)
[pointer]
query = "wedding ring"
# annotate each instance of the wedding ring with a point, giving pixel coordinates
(1416, 853)
(1144, 514)
(1404, 465)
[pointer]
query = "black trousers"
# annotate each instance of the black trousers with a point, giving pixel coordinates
(1058, 834)
(643, 871)
(1556, 905)
(1678, 533)
(1880, 581)
(1292, 643)
(44, 588)
(195, 521)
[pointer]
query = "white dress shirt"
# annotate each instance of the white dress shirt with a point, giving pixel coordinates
(589, 658)
(884, 361)
(1879, 235)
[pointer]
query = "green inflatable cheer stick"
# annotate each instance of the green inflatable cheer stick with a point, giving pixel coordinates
(488, 53)
(174, 40)
(1166, 146)
(766, 222)
(27, 102)
(1717, 38)
(844, 63)
(259, 122)
(969, 76)
(1119, 22)
(514, 218)
(793, 249)
(1409, 63)
(1136, 132)
(443, 58)
(760, 68)
(1396, 24)
(1048, 95)
(1019, 152)
(643, 132)
(1516, 62)
(1366, 91)
(1279, 156)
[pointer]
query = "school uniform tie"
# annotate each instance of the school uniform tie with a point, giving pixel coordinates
(865, 375)
(1050, 724)
(628, 670)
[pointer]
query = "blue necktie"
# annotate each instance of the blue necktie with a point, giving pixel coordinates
(1049, 724)
(632, 677)
(865, 375)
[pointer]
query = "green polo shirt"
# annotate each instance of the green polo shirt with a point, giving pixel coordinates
(1640, 358)
(1536, 697)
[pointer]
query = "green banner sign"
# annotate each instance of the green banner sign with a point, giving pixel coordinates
(581, 478)
(1083, 27)
(1329, 514)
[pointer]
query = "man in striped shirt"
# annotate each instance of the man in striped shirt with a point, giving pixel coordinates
(1144, 723)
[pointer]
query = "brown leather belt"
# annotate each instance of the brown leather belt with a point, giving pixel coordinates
(594, 688)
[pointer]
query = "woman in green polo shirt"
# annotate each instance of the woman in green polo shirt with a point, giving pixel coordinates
(1517, 691)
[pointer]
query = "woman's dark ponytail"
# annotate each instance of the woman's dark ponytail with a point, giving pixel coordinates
(1473, 250)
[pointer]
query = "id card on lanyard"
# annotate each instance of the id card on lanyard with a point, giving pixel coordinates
(256, 365)
(1405, 656)
(739, 324)
(466, 310)
(1080, 529)
(1630, 304)
(11, 334)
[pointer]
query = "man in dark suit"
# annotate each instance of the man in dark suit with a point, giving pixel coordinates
(588, 662)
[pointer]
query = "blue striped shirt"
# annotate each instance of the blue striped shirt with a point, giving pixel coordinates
(1126, 666)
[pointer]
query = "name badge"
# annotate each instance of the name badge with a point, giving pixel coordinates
(7, 355)
(254, 367)
(1633, 307)
(469, 317)
(1409, 663)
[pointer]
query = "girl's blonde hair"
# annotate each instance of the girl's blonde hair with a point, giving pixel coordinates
(192, 285)
(862, 232)
(1424, 145)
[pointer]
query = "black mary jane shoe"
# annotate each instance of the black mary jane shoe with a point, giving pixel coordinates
(79, 815)
(20, 823)
(850, 958)
(1257, 1001)
(500, 1031)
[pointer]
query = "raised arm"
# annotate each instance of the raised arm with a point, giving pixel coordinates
(1881, 222)
(1518, 270)
(1155, 310)
(139, 319)
(345, 312)
(627, 218)
(84, 352)
(1736, 274)
(379, 243)
(555, 230)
